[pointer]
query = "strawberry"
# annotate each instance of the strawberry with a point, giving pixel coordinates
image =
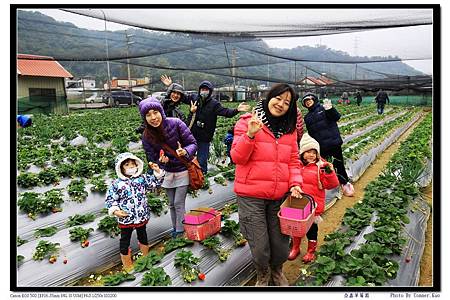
(201, 276)
(52, 259)
(408, 258)
(84, 244)
(65, 261)
(161, 152)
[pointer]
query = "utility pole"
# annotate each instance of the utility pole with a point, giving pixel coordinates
(84, 93)
(107, 58)
(128, 59)
(233, 72)
(356, 70)
(268, 70)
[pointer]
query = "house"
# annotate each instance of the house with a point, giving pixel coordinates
(319, 85)
(41, 85)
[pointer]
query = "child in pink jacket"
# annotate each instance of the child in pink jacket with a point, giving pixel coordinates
(318, 175)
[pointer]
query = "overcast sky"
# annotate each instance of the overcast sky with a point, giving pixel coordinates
(406, 42)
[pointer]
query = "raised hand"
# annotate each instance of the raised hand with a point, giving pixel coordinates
(180, 151)
(166, 80)
(243, 107)
(193, 106)
(254, 125)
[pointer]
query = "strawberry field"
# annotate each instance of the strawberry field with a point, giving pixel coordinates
(65, 238)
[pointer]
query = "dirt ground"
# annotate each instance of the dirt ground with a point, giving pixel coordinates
(426, 265)
(333, 216)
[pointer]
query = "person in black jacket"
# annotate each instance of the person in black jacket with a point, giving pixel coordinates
(170, 104)
(321, 124)
(358, 98)
(202, 119)
(381, 99)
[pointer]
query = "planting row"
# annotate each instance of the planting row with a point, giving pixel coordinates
(370, 249)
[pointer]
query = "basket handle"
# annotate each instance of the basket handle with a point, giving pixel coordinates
(207, 212)
(308, 196)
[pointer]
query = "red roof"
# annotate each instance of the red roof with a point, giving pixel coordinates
(36, 65)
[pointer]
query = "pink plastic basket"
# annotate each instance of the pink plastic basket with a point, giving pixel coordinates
(199, 232)
(295, 227)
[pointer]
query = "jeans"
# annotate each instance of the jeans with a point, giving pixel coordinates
(177, 201)
(380, 108)
(203, 155)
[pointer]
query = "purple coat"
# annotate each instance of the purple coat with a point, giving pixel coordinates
(176, 131)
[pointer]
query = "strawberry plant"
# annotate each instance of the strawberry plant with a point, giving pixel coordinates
(80, 234)
(228, 209)
(27, 180)
(156, 205)
(231, 228)
(187, 262)
(80, 219)
(213, 243)
(147, 262)
(156, 277)
(76, 190)
(229, 175)
(176, 243)
(116, 279)
(20, 259)
(20, 241)
(98, 184)
(65, 170)
(109, 225)
(46, 249)
(45, 232)
(220, 180)
(35, 203)
(49, 176)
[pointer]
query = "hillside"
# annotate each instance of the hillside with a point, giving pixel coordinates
(156, 53)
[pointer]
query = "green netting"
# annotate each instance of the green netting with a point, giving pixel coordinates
(42, 104)
(409, 100)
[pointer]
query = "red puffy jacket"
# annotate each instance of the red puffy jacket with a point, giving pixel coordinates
(266, 167)
(311, 174)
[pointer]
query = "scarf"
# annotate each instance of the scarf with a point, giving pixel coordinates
(278, 126)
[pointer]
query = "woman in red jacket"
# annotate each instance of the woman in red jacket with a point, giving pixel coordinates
(265, 152)
(317, 175)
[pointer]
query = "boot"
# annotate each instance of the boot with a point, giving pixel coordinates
(127, 262)
(295, 250)
(144, 249)
(262, 276)
(278, 277)
(348, 189)
(310, 255)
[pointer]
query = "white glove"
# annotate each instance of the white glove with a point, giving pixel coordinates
(318, 219)
(327, 104)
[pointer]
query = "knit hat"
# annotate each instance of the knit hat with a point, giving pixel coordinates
(307, 96)
(308, 143)
(124, 156)
(151, 103)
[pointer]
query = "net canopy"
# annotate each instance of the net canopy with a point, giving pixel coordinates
(230, 46)
(262, 23)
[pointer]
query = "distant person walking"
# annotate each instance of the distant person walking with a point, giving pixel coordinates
(358, 98)
(381, 98)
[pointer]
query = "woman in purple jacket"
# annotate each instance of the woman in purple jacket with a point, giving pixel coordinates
(160, 130)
